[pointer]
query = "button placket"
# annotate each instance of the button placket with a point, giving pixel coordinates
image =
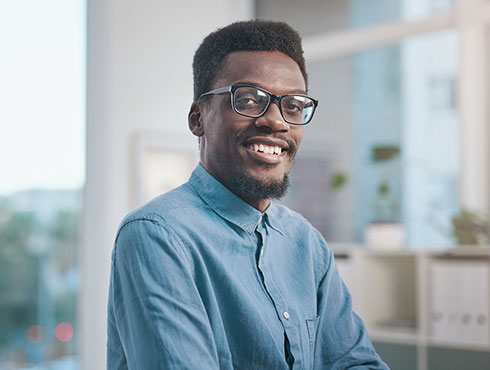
(273, 291)
(260, 228)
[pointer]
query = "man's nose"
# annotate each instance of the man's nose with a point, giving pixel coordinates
(272, 119)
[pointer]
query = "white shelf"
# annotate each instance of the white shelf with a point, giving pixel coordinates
(396, 335)
(393, 292)
(456, 345)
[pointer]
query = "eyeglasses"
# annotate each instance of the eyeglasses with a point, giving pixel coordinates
(252, 101)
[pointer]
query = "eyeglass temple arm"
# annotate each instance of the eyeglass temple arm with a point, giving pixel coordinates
(220, 91)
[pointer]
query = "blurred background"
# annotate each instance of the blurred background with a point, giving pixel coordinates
(394, 169)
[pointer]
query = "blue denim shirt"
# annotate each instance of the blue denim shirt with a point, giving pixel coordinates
(202, 280)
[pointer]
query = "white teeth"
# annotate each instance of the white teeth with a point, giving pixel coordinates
(261, 148)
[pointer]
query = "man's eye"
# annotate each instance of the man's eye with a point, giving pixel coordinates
(294, 107)
(246, 100)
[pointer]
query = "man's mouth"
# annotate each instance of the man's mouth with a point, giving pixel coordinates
(269, 150)
(264, 148)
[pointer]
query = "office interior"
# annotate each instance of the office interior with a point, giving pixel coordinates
(393, 170)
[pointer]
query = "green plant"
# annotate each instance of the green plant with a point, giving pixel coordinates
(384, 153)
(387, 206)
(470, 228)
(338, 180)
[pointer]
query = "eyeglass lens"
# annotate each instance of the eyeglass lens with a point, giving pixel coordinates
(254, 102)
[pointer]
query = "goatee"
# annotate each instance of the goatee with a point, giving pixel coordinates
(248, 187)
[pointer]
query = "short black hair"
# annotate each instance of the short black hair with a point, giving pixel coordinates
(254, 35)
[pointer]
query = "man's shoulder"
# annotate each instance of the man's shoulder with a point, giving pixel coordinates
(166, 207)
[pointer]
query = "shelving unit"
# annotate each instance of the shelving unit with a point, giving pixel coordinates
(398, 294)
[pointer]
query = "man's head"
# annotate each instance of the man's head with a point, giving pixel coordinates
(255, 35)
(251, 154)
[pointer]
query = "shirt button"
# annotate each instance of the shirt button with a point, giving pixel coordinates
(262, 251)
(285, 314)
(260, 219)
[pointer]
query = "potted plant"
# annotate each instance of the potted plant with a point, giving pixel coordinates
(471, 228)
(386, 231)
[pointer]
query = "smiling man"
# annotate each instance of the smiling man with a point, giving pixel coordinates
(247, 144)
(212, 275)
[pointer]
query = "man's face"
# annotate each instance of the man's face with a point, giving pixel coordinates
(231, 144)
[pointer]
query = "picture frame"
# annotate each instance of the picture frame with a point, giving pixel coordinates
(161, 161)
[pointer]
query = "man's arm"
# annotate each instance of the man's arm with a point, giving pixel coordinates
(160, 318)
(342, 341)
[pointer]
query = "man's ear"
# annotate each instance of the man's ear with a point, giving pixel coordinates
(195, 119)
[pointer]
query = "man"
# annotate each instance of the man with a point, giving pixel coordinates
(212, 275)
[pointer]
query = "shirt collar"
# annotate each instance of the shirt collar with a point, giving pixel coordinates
(224, 202)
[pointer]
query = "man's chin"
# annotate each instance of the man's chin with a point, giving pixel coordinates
(247, 186)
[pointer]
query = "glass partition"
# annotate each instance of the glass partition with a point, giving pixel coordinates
(383, 147)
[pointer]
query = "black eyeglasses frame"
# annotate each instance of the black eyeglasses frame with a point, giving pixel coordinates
(272, 99)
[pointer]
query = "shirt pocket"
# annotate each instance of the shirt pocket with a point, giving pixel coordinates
(312, 327)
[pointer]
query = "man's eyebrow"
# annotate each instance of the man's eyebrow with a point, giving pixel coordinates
(257, 84)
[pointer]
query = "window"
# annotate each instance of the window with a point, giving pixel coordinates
(42, 69)
(401, 130)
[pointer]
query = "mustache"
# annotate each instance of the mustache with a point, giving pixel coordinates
(244, 136)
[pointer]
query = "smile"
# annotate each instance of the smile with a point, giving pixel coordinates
(264, 148)
(266, 154)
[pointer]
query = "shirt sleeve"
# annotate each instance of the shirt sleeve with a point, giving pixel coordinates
(342, 341)
(160, 318)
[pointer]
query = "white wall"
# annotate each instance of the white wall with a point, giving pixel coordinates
(139, 61)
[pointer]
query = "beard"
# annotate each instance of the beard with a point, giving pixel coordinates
(244, 185)
(248, 187)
